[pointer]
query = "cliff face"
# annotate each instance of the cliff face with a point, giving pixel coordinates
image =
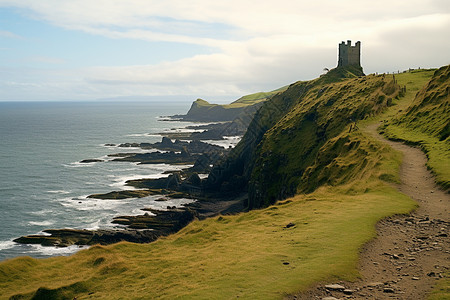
(278, 155)
(202, 110)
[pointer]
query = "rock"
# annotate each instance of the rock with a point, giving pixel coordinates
(289, 225)
(194, 179)
(388, 290)
(415, 278)
(151, 227)
(161, 199)
(166, 141)
(335, 287)
(348, 291)
(330, 298)
(93, 160)
(125, 194)
(375, 284)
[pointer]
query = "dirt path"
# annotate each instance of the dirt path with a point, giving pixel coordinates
(410, 252)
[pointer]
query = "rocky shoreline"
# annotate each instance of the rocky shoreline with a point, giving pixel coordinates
(152, 224)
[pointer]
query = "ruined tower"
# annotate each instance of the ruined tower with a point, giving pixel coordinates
(349, 55)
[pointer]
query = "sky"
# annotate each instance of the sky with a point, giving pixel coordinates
(60, 50)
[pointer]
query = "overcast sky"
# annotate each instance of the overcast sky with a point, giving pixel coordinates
(86, 49)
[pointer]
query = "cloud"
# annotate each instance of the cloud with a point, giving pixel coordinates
(47, 60)
(254, 46)
(7, 34)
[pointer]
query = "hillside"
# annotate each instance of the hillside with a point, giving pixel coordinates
(302, 140)
(426, 123)
(279, 154)
(203, 111)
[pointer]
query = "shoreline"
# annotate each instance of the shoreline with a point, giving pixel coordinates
(152, 224)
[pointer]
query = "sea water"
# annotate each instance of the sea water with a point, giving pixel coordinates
(43, 185)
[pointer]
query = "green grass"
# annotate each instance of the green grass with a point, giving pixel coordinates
(441, 290)
(315, 115)
(244, 101)
(254, 98)
(251, 255)
(424, 120)
(225, 257)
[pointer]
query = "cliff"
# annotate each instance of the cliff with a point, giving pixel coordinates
(279, 154)
(203, 111)
(287, 247)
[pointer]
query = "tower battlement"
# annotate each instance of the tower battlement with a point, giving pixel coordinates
(349, 55)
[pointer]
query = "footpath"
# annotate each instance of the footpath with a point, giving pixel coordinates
(411, 252)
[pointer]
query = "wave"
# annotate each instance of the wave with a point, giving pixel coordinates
(7, 245)
(162, 205)
(138, 134)
(58, 192)
(91, 204)
(42, 212)
(54, 251)
(41, 223)
(228, 141)
(78, 164)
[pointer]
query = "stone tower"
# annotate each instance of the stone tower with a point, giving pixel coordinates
(349, 55)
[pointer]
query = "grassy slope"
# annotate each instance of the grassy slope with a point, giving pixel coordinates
(244, 255)
(244, 101)
(427, 121)
(230, 256)
(320, 114)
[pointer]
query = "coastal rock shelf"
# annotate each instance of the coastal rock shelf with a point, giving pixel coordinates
(140, 229)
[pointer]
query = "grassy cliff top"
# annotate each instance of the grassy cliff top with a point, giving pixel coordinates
(244, 101)
(263, 254)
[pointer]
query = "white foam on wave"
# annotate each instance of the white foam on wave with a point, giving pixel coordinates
(41, 223)
(54, 251)
(6, 245)
(183, 130)
(78, 164)
(159, 169)
(166, 167)
(162, 205)
(89, 204)
(120, 181)
(41, 212)
(138, 134)
(94, 225)
(228, 141)
(58, 192)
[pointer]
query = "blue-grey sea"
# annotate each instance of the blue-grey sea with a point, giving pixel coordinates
(42, 182)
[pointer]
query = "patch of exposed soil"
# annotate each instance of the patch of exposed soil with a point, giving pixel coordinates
(410, 252)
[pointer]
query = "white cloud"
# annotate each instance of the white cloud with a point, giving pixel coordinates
(258, 45)
(8, 34)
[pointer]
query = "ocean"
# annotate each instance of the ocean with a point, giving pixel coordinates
(43, 185)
